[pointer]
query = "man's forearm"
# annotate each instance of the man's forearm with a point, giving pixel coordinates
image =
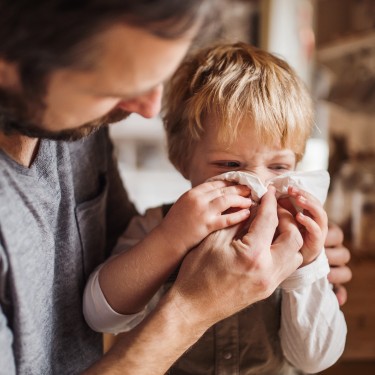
(153, 346)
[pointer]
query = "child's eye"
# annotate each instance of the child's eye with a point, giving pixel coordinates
(228, 164)
(280, 167)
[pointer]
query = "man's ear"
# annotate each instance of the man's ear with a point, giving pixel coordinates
(8, 74)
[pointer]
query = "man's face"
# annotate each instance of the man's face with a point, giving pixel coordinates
(127, 77)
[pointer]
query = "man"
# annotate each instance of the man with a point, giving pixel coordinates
(66, 69)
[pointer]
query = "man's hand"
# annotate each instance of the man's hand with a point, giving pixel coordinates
(225, 274)
(338, 257)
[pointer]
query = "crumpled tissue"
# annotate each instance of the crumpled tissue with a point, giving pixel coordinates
(313, 182)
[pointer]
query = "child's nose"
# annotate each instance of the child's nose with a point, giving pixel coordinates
(262, 174)
(265, 175)
(147, 105)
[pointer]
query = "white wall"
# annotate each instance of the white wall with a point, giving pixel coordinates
(148, 176)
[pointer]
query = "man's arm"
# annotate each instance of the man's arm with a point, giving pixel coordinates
(221, 276)
(154, 345)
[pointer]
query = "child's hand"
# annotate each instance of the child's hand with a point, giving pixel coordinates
(313, 223)
(199, 212)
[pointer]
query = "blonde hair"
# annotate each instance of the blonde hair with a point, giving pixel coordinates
(234, 82)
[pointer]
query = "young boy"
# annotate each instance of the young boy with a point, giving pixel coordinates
(237, 112)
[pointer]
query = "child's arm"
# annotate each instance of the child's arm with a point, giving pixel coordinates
(313, 329)
(130, 279)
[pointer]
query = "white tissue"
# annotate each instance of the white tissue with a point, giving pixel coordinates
(313, 182)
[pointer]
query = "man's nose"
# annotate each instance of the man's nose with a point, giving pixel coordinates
(147, 105)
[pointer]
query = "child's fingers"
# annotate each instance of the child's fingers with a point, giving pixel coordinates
(314, 210)
(211, 185)
(312, 238)
(230, 219)
(295, 192)
(203, 198)
(310, 225)
(214, 189)
(310, 204)
(223, 203)
(227, 190)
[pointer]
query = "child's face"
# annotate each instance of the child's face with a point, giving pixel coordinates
(246, 153)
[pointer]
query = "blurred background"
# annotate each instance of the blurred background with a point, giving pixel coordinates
(331, 45)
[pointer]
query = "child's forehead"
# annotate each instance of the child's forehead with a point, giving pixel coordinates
(246, 148)
(214, 124)
(235, 131)
(250, 150)
(243, 132)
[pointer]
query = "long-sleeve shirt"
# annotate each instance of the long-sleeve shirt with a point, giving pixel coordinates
(299, 327)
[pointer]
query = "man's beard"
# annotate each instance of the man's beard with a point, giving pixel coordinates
(15, 113)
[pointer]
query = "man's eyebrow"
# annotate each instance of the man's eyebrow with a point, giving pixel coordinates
(128, 96)
(120, 94)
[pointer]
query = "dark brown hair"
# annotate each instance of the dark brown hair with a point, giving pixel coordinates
(41, 36)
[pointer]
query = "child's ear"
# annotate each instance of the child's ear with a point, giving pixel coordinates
(184, 170)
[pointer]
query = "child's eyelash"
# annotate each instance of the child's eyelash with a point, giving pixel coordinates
(228, 164)
(280, 166)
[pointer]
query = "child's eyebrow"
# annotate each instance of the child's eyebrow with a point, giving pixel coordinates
(284, 153)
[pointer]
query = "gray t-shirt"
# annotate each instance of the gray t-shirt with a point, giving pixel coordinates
(58, 220)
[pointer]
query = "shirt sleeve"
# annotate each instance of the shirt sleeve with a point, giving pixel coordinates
(313, 328)
(98, 313)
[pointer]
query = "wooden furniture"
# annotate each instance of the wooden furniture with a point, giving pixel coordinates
(359, 354)
(351, 368)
